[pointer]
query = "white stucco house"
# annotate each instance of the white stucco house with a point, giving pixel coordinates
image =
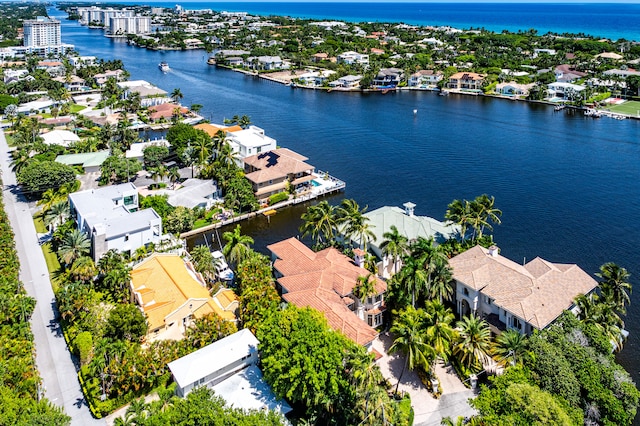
(564, 90)
(352, 58)
(109, 216)
(229, 367)
(509, 295)
(249, 142)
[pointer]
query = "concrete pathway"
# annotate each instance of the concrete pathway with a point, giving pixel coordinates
(53, 359)
(428, 411)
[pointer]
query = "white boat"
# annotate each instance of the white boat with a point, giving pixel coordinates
(164, 67)
(223, 272)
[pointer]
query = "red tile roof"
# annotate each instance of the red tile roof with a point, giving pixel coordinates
(323, 281)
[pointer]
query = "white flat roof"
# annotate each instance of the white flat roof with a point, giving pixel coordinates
(190, 368)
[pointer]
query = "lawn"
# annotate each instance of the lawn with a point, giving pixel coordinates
(49, 256)
(629, 108)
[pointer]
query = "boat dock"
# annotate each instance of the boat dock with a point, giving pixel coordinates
(327, 184)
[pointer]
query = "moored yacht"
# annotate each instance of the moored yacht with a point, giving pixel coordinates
(223, 272)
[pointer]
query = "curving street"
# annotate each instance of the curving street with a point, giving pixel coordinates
(53, 359)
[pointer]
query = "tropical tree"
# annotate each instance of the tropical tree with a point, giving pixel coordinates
(615, 286)
(439, 328)
(412, 278)
(75, 244)
(365, 287)
(490, 212)
(441, 283)
(474, 343)
(354, 223)
(176, 95)
(410, 339)
(395, 246)
(509, 347)
(320, 222)
(237, 246)
(83, 269)
(57, 214)
(203, 262)
(458, 213)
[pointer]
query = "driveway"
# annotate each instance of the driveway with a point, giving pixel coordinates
(428, 411)
(53, 360)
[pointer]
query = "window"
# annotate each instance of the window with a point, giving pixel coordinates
(370, 320)
(516, 323)
(126, 237)
(488, 300)
(465, 291)
(129, 199)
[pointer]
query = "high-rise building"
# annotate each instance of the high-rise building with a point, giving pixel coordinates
(42, 32)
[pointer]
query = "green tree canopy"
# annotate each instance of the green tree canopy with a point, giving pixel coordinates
(39, 176)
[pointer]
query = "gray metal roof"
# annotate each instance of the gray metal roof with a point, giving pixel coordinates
(411, 227)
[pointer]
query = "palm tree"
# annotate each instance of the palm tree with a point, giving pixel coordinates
(474, 343)
(365, 287)
(57, 214)
(83, 269)
(244, 121)
(176, 95)
(490, 212)
(509, 347)
(19, 159)
(203, 262)
(440, 331)
(441, 285)
(395, 245)
(75, 244)
(319, 221)
(413, 278)
(458, 213)
(203, 147)
(411, 340)
(173, 175)
(227, 157)
(237, 247)
(354, 222)
(435, 264)
(615, 285)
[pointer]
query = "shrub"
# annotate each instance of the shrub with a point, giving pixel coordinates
(276, 198)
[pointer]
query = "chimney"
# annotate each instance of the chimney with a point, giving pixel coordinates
(358, 257)
(408, 208)
(494, 251)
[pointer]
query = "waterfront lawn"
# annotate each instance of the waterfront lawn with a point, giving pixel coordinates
(629, 108)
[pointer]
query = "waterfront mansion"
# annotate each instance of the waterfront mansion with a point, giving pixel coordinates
(513, 296)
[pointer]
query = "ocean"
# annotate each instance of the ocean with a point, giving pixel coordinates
(609, 20)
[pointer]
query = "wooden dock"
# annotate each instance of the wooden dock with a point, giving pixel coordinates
(337, 186)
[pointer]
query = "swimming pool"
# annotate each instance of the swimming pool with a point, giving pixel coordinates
(315, 183)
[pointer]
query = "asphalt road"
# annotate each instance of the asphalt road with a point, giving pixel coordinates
(53, 359)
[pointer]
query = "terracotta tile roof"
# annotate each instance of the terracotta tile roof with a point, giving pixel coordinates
(323, 281)
(165, 110)
(211, 130)
(163, 283)
(275, 164)
(537, 292)
(338, 315)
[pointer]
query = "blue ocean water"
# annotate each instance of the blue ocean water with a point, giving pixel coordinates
(610, 20)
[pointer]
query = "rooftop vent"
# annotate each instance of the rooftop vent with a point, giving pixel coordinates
(494, 251)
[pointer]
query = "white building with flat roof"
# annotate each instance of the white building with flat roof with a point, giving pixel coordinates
(250, 141)
(41, 32)
(229, 367)
(109, 216)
